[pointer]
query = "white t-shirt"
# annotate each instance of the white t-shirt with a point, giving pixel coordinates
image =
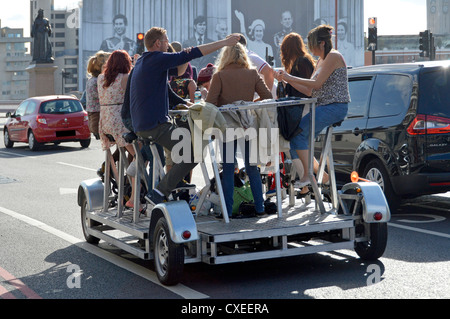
(257, 61)
(260, 64)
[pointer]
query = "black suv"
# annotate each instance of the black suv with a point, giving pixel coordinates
(397, 131)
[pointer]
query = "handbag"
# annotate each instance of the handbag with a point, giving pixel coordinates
(289, 118)
(240, 195)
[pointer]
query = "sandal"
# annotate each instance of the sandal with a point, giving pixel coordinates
(131, 206)
(303, 195)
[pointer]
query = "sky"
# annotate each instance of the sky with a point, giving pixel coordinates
(395, 17)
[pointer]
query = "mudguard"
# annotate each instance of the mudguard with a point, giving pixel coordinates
(179, 219)
(93, 191)
(373, 201)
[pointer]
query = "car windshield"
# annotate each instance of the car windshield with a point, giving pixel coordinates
(61, 107)
(435, 93)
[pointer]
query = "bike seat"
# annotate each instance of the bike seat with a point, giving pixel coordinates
(110, 138)
(130, 137)
(337, 124)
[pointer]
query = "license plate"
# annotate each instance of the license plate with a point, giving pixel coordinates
(65, 133)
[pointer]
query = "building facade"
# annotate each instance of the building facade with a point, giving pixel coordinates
(64, 40)
(14, 59)
(113, 24)
(405, 48)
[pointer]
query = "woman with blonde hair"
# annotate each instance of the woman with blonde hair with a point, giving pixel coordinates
(94, 69)
(328, 84)
(236, 80)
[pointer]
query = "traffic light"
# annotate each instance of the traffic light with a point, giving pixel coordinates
(424, 43)
(140, 47)
(373, 34)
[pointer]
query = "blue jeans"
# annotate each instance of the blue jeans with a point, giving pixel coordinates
(252, 173)
(326, 115)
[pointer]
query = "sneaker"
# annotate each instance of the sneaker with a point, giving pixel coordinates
(154, 198)
(184, 185)
(271, 193)
(301, 184)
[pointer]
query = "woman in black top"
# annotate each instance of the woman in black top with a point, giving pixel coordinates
(297, 62)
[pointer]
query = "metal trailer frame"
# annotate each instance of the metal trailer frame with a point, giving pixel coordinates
(354, 218)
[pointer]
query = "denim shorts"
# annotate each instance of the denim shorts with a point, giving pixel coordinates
(326, 115)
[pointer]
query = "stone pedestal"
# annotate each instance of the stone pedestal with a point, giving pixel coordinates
(42, 79)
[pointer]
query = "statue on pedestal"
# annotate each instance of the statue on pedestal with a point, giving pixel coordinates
(41, 31)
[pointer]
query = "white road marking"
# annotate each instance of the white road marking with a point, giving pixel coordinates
(143, 272)
(67, 191)
(419, 230)
(76, 166)
(428, 218)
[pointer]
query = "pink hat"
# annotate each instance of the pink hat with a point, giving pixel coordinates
(206, 73)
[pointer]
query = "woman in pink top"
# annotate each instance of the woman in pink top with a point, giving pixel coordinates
(111, 90)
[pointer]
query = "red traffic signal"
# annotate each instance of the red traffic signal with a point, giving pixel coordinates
(373, 34)
(140, 48)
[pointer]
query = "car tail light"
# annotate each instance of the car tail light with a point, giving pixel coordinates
(40, 119)
(429, 124)
(86, 118)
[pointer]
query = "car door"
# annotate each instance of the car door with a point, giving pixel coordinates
(390, 101)
(28, 119)
(16, 127)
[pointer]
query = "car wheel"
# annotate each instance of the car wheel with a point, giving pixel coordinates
(6, 139)
(376, 172)
(32, 143)
(85, 143)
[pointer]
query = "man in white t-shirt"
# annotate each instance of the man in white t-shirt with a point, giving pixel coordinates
(262, 66)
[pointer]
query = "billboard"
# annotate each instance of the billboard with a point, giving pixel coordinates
(113, 24)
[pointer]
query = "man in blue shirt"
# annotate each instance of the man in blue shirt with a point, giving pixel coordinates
(149, 100)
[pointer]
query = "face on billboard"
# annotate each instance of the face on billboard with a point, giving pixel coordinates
(264, 22)
(119, 26)
(286, 20)
(200, 28)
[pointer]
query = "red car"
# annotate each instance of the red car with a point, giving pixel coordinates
(47, 119)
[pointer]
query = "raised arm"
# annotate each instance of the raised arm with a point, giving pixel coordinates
(240, 16)
(214, 46)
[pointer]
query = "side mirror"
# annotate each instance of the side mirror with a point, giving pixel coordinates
(8, 114)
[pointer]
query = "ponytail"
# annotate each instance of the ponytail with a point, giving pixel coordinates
(321, 33)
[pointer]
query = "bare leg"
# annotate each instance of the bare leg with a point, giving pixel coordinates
(304, 158)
